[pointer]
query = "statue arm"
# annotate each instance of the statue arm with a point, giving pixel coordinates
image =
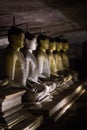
(10, 70)
(10, 66)
(27, 66)
(40, 64)
(31, 69)
(34, 65)
(53, 67)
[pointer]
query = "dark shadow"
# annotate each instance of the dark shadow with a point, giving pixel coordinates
(83, 64)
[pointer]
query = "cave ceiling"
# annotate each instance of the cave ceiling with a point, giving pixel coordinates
(48, 16)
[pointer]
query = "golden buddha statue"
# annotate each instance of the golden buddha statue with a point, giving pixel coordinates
(65, 57)
(52, 48)
(71, 75)
(14, 58)
(57, 55)
(43, 62)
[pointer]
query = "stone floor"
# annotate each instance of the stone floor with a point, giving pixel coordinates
(74, 119)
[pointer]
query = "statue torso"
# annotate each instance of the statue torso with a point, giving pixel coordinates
(43, 63)
(19, 78)
(59, 62)
(31, 65)
(53, 67)
(65, 60)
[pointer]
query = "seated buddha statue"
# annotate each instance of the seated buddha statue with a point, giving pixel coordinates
(52, 48)
(59, 63)
(65, 57)
(30, 59)
(54, 76)
(57, 55)
(36, 90)
(14, 59)
(42, 58)
(43, 62)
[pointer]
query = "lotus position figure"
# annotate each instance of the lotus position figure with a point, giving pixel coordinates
(43, 61)
(61, 58)
(66, 65)
(37, 91)
(42, 58)
(30, 59)
(14, 58)
(59, 63)
(52, 47)
(65, 57)
(15, 72)
(58, 57)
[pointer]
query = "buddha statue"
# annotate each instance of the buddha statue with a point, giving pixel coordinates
(30, 59)
(65, 57)
(42, 58)
(43, 62)
(59, 64)
(14, 59)
(36, 91)
(57, 55)
(71, 74)
(52, 48)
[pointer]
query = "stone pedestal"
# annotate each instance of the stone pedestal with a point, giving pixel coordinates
(12, 114)
(60, 102)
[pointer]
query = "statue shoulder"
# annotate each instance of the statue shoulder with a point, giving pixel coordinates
(40, 54)
(10, 53)
(50, 56)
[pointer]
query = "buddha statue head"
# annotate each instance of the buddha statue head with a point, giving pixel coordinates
(30, 41)
(65, 45)
(52, 45)
(43, 42)
(59, 44)
(16, 37)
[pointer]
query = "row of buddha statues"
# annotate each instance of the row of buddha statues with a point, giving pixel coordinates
(35, 63)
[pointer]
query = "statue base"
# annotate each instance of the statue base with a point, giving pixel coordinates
(59, 103)
(21, 120)
(30, 123)
(12, 114)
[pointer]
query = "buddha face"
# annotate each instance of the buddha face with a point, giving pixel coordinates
(31, 44)
(18, 41)
(65, 46)
(45, 44)
(52, 46)
(59, 46)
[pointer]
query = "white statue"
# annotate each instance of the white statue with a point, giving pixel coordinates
(36, 90)
(42, 58)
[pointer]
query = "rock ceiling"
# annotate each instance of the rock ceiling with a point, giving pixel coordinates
(49, 16)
